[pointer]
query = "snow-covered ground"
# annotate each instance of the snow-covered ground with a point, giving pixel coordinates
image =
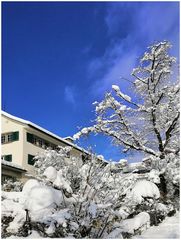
(168, 229)
(33, 235)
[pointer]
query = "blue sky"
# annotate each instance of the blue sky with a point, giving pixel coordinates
(60, 57)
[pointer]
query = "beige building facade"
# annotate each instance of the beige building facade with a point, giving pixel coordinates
(21, 140)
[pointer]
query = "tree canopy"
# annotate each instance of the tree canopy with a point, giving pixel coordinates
(150, 123)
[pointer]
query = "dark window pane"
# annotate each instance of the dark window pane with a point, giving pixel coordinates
(29, 137)
(15, 136)
(31, 160)
(8, 158)
(3, 139)
(10, 137)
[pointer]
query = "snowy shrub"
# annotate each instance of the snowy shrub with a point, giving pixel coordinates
(29, 185)
(142, 220)
(50, 173)
(53, 207)
(131, 226)
(52, 158)
(163, 210)
(42, 200)
(153, 176)
(172, 176)
(167, 177)
(10, 185)
(13, 216)
(116, 233)
(143, 189)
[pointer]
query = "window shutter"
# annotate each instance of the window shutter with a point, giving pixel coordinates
(15, 136)
(31, 160)
(29, 137)
(8, 158)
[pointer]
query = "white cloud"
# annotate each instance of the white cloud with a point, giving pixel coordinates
(131, 28)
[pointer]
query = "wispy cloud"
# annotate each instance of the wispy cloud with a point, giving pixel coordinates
(131, 27)
(69, 93)
(118, 65)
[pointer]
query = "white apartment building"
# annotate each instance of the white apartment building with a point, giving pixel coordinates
(21, 140)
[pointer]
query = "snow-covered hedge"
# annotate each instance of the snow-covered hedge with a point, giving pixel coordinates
(54, 206)
(143, 189)
(140, 221)
(76, 199)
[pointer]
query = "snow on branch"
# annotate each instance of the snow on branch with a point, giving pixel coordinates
(152, 126)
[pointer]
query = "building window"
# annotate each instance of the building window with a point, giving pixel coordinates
(52, 146)
(31, 160)
(7, 158)
(47, 144)
(35, 141)
(39, 142)
(3, 139)
(9, 137)
(29, 137)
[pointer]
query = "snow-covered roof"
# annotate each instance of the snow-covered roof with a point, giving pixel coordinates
(69, 137)
(136, 164)
(10, 164)
(43, 130)
(133, 167)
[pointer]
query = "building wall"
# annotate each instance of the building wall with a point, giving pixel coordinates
(30, 148)
(21, 148)
(14, 148)
(13, 173)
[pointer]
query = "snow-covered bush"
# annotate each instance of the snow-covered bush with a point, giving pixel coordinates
(172, 177)
(10, 185)
(55, 204)
(131, 226)
(166, 174)
(52, 158)
(54, 207)
(12, 213)
(143, 189)
(139, 222)
(153, 176)
(41, 201)
(29, 185)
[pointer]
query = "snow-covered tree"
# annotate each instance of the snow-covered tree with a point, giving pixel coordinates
(149, 121)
